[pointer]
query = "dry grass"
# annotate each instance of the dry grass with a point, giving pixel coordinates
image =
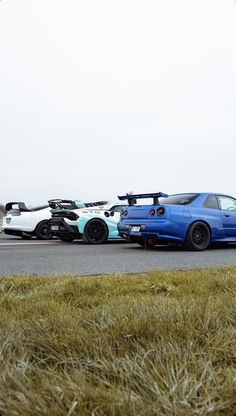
(159, 344)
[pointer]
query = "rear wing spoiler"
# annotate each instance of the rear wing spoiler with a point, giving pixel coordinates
(132, 198)
(20, 206)
(69, 204)
(62, 203)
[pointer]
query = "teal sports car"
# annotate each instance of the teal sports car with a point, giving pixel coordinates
(94, 224)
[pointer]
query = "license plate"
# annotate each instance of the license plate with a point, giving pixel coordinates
(55, 227)
(135, 229)
(8, 220)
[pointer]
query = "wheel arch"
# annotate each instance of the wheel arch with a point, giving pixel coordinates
(96, 219)
(195, 221)
(38, 225)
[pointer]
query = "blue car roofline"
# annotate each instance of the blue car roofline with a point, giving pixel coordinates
(133, 197)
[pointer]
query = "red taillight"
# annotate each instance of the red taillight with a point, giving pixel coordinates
(160, 212)
(152, 212)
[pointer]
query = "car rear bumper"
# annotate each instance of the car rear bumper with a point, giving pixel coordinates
(163, 230)
(59, 227)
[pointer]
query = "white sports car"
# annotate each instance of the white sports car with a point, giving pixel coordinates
(26, 222)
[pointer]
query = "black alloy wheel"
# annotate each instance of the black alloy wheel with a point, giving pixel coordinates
(198, 236)
(43, 231)
(95, 232)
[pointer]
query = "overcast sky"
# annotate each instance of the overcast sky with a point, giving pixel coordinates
(100, 97)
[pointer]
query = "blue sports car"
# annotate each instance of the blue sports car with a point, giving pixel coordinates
(194, 220)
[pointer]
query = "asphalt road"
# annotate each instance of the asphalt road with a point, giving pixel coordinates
(18, 256)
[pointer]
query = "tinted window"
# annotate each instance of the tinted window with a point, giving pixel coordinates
(211, 202)
(227, 203)
(181, 199)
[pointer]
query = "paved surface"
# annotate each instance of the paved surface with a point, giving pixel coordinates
(18, 256)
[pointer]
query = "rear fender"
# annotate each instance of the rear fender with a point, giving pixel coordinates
(111, 223)
(199, 220)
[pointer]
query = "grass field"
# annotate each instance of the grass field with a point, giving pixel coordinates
(159, 344)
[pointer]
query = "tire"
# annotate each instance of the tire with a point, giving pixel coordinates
(43, 231)
(95, 232)
(198, 236)
(147, 242)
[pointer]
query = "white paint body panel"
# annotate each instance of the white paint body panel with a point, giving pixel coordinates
(26, 221)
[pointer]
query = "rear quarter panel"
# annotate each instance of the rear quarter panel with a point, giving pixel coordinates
(27, 221)
(212, 217)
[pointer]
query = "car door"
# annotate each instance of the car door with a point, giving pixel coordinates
(228, 212)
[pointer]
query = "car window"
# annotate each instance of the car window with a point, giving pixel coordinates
(211, 202)
(227, 203)
(180, 199)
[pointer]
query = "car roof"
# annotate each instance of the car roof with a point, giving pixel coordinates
(202, 193)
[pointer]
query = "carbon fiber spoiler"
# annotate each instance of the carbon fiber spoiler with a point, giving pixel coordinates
(132, 198)
(9, 205)
(62, 203)
(22, 207)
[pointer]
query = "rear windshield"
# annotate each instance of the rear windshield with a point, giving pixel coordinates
(181, 199)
